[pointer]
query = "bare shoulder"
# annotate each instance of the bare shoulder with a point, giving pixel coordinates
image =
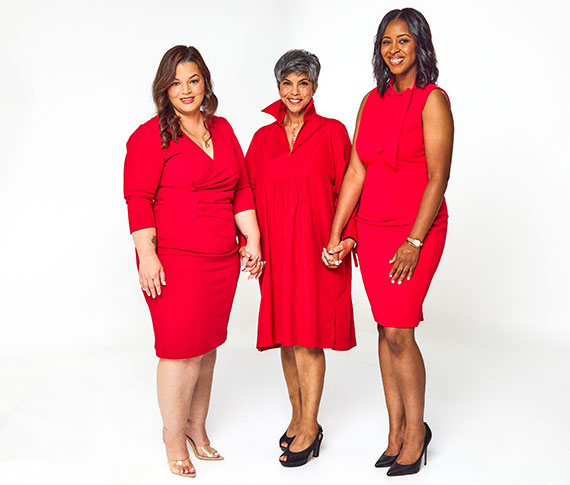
(437, 110)
(436, 101)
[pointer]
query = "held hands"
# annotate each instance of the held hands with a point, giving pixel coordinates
(334, 253)
(151, 275)
(250, 260)
(404, 263)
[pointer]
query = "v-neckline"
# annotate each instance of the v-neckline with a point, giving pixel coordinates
(200, 148)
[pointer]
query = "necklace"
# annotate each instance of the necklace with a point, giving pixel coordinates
(294, 132)
(198, 139)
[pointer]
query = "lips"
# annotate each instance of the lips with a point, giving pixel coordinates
(188, 100)
(394, 61)
(294, 100)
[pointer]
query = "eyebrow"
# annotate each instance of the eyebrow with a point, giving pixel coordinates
(193, 75)
(302, 79)
(399, 35)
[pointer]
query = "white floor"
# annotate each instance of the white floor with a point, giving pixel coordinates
(91, 417)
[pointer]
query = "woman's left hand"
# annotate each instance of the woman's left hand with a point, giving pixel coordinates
(404, 263)
(334, 253)
(250, 257)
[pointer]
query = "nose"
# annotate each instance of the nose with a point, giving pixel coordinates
(187, 88)
(393, 48)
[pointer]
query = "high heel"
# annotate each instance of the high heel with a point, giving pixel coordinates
(285, 439)
(385, 460)
(397, 469)
(299, 458)
(207, 452)
(177, 467)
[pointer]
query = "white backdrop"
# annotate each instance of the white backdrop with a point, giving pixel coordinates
(76, 79)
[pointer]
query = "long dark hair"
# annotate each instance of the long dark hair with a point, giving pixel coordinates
(168, 120)
(426, 60)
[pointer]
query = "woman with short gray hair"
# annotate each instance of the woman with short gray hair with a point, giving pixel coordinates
(296, 165)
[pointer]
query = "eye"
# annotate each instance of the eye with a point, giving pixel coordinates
(175, 83)
(403, 41)
(385, 42)
(194, 81)
(304, 83)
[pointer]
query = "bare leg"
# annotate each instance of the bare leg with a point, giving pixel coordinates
(198, 411)
(408, 366)
(289, 365)
(175, 384)
(311, 372)
(394, 404)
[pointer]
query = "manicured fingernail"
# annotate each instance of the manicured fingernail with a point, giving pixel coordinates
(409, 278)
(337, 262)
(392, 281)
(400, 282)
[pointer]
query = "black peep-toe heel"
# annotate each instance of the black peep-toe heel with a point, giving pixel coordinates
(299, 458)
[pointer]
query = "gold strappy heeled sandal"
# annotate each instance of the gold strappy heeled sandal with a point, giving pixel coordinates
(206, 451)
(184, 468)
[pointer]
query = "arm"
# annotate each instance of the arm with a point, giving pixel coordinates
(250, 254)
(348, 198)
(438, 140)
(245, 218)
(151, 272)
(143, 168)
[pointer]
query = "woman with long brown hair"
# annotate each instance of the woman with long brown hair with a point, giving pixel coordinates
(187, 189)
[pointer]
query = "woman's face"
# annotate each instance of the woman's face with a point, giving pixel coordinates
(296, 91)
(398, 48)
(187, 90)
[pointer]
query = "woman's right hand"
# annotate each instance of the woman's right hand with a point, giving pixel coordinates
(151, 275)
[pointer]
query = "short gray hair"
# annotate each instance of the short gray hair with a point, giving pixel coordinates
(298, 61)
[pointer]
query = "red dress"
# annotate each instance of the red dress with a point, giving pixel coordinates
(302, 302)
(191, 199)
(390, 143)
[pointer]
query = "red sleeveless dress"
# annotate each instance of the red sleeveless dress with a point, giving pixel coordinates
(390, 143)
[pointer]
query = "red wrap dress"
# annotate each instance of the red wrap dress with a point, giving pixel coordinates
(390, 143)
(302, 302)
(191, 200)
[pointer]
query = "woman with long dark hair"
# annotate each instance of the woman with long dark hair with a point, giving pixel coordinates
(187, 189)
(399, 169)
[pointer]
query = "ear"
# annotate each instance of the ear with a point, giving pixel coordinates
(315, 88)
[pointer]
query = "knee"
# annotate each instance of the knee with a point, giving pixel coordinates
(309, 351)
(397, 339)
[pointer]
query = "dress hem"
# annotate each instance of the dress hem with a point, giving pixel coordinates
(329, 347)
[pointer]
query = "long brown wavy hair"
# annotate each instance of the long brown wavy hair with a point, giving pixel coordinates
(168, 120)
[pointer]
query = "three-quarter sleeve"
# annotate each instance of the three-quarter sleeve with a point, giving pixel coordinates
(143, 168)
(243, 198)
(254, 153)
(341, 155)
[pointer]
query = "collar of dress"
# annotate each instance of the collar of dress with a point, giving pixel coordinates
(278, 111)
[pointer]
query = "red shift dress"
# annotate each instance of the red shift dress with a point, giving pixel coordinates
(302, 302)
(390, 143)
(191, 199)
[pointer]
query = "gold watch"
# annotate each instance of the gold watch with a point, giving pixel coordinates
(416, 243)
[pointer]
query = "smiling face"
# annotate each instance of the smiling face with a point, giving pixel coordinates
(296, 91)
(186, 92)
(398, 48)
